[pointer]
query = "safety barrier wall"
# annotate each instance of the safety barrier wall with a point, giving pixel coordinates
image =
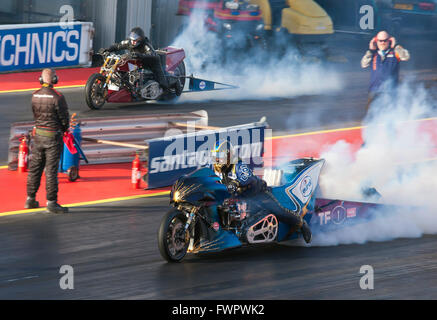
(128, 129)
(173, 156)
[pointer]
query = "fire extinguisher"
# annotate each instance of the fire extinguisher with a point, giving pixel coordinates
(136, 172)
(23, 152)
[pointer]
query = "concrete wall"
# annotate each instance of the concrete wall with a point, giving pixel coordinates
(139, 14)
(114, 18)
(103, 14)
(165, 23)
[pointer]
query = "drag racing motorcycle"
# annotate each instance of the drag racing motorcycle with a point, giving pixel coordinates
(206, 218)
(123, 79)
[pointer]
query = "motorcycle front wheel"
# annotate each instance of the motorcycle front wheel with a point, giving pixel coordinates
(173, 241)
(95, 94)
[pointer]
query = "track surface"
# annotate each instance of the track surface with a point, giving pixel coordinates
(113, 248)
(114, 253)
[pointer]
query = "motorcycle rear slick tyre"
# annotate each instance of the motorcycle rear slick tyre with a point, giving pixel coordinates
(178, 219)
(88, 91)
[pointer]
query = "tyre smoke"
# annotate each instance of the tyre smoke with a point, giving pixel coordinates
(258, 73)
(399, 159)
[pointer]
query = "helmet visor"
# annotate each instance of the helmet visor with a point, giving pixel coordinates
(221, 157)
(134, 38)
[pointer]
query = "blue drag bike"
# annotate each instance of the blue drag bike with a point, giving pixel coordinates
(206, 218)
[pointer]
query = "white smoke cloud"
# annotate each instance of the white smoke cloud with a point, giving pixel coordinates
(391, 160)
(396, 159)
(257, 73)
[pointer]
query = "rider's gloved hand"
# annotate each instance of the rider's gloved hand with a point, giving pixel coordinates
(232, 188)
(241, 190)
(235, 189)
(126, 56)
(263, 186)
(103, 51)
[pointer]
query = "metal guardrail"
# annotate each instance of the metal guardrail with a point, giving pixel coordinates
(128, 129)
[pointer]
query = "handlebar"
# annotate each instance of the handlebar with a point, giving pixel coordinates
(124, 57)
(106, 54)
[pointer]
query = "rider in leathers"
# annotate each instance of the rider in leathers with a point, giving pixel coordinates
(140, 48)
(241, 181)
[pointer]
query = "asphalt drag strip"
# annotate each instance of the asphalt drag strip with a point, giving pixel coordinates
(113, 252)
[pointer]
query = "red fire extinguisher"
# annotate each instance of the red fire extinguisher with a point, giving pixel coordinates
(136, 172)
(23, 152)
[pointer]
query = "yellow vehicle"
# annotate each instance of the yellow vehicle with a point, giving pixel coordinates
(296, 17)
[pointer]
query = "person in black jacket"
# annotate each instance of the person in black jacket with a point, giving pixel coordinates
(52, 119)
(140, 48)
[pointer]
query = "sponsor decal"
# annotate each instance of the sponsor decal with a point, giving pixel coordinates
(306, 186)
(244, 172)
(175, 155)
(38, 46)
(338, 215)
(202, 85)
(197, 159)
(351, 212)
(324, 217)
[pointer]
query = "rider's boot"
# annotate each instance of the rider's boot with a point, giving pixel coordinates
(161, 76)
(54, 207)
(167, 81)
(175, 83)
(31, 203)
(306, 232)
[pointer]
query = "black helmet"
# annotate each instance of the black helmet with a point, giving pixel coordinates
(136, 37)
